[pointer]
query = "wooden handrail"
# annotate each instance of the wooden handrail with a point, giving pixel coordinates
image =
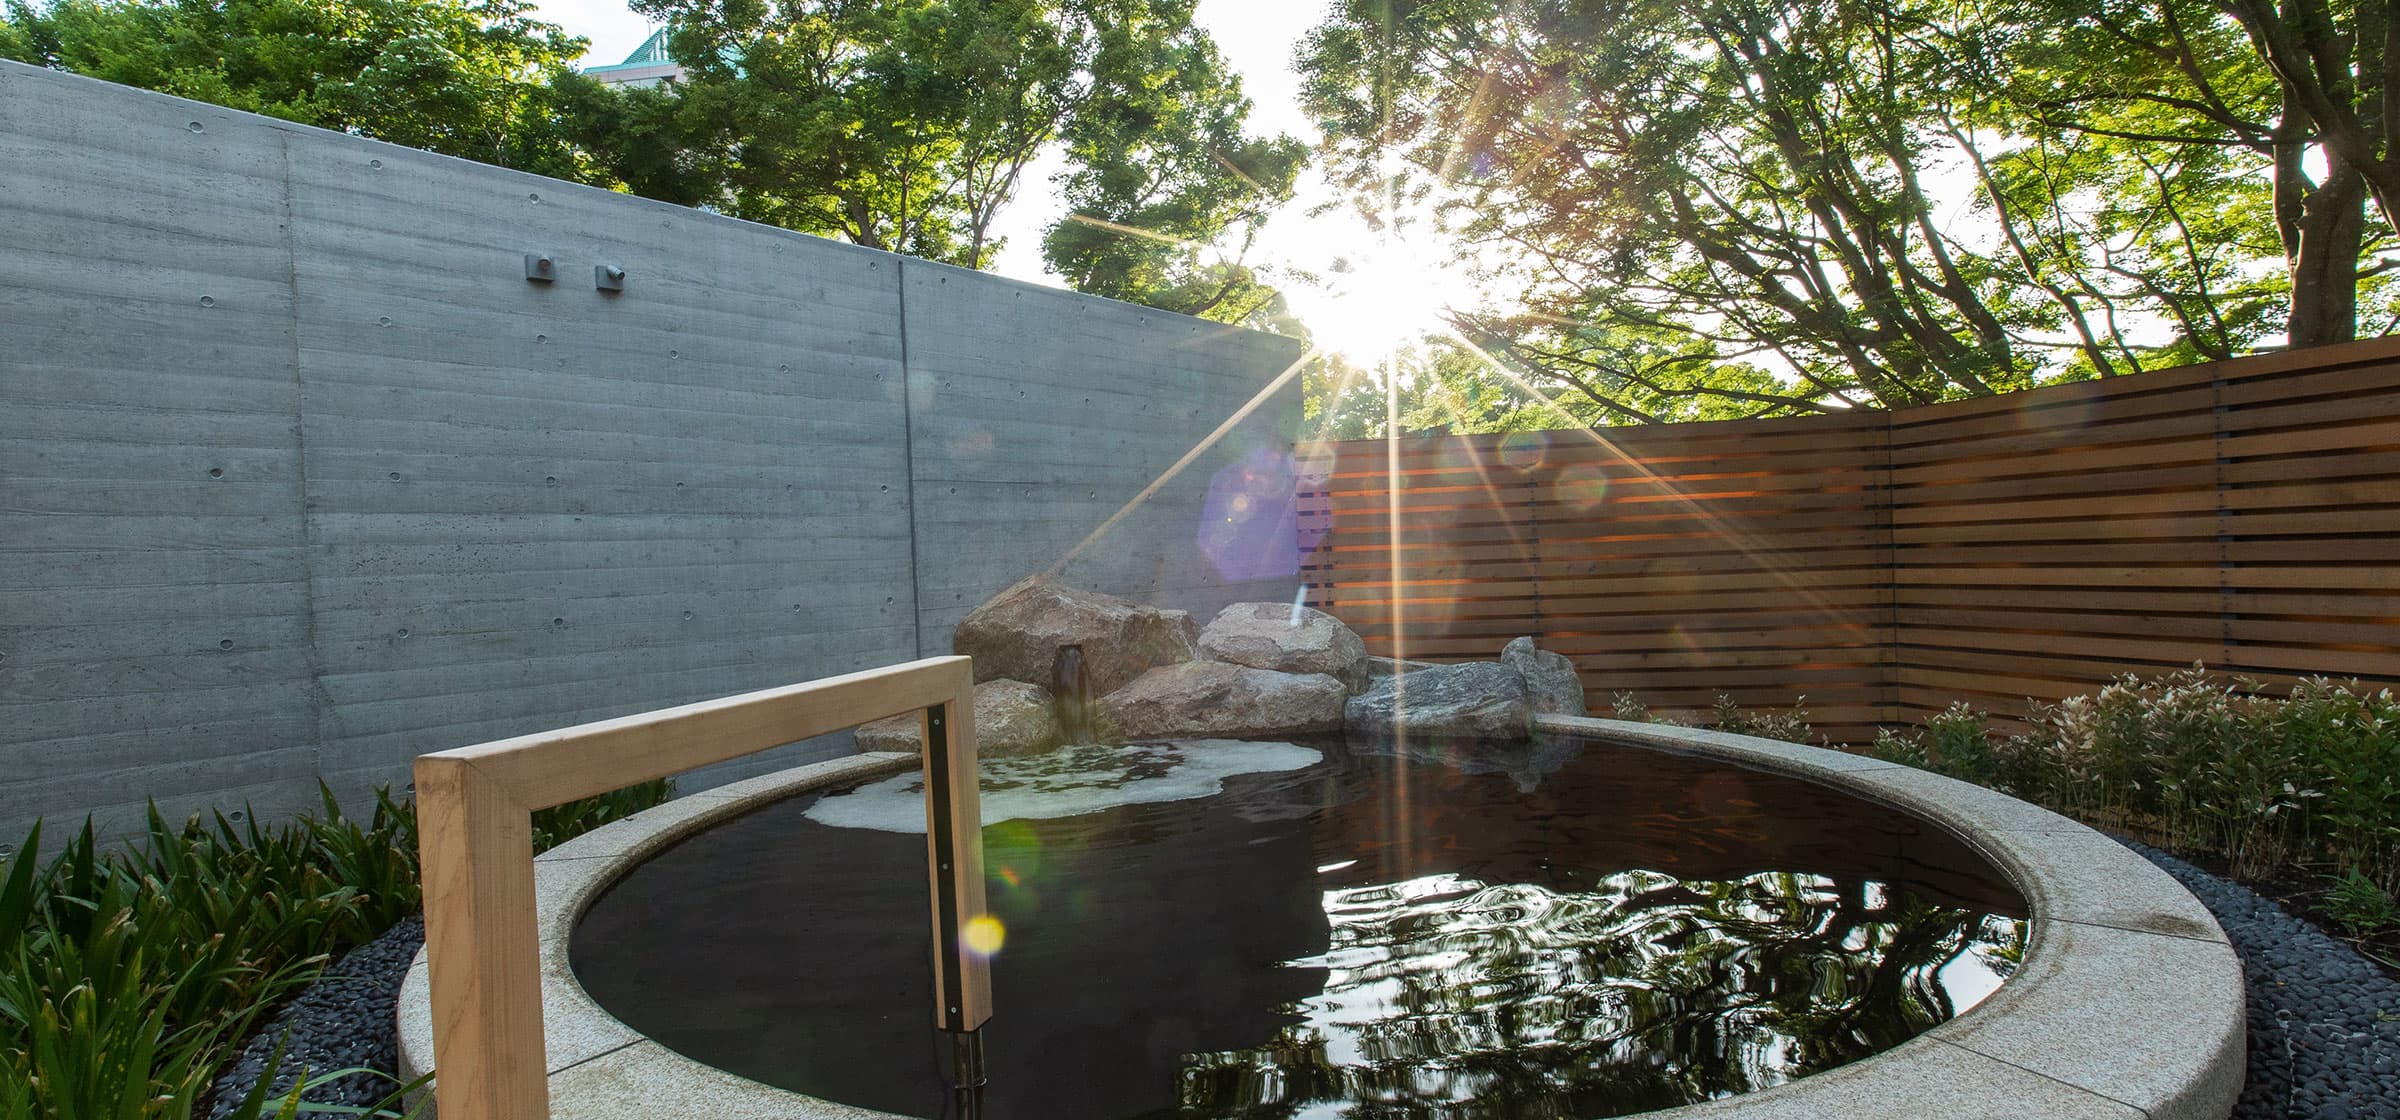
(475, 841)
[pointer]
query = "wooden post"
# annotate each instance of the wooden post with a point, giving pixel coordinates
(962, 990)
(477, 855)
(475, 840)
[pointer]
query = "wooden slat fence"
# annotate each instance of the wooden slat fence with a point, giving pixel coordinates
(2245, 514)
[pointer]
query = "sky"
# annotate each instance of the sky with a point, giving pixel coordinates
(1378, 301)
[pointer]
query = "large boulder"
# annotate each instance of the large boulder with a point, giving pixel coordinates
(1011, 717)
(1392, 666)
(1476, 700)
(1017, 635)
(1287, 639)
(1551, 683)
(1210, 699)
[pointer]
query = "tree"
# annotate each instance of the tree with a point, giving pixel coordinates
(2337, 71)
(1783, 205)
(471, 78)
(2202, 85)
(908, 125)
(1160, 168)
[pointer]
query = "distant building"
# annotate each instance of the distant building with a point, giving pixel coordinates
(648, 65)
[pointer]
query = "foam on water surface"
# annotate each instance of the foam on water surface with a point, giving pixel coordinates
(1070, 782)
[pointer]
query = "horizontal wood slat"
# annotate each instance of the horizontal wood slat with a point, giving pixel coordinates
(2245, 514)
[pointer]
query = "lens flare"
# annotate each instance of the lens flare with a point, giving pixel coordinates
(1583, 486)
(983, 935)
(1250, 522)
(1525, 450)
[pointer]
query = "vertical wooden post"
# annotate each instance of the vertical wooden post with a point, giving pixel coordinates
(476, 846)
(954, 861)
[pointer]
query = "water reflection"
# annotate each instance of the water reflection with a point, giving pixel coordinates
(1559, 929)
(1643, 991)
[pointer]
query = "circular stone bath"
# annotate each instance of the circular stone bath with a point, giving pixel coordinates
(2126, 1002)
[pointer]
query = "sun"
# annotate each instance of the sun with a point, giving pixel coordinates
(1376, 293)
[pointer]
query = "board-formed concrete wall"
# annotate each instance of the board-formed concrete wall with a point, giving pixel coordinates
(301, 477)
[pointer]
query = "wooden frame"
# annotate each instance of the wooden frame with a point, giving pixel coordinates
(475, 838)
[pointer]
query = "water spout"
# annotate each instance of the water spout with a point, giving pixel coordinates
(1071, 695)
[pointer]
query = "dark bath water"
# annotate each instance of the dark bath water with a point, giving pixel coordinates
(1565, 929)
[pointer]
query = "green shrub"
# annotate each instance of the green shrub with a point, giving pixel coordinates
(2198, 762)
(1627, 706)
(130, 977)
(1905, 746)
(559, 824)
(2359, 906)
(1960, 741)
(2189, 760)
(1791, 726)
(2353, 739)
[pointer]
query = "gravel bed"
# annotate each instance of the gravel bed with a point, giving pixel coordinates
(348, 1019)
(2324, 1021)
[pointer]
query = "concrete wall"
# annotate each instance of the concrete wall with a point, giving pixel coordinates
(300, 477)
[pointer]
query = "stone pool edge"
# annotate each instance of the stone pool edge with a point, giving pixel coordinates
(2128, 1005)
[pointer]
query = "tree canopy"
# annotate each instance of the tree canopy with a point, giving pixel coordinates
(471, 78)
(1748, 207)
(909, 124)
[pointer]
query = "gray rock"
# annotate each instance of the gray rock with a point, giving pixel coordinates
(1210, 699)
(1017, 635)
(1551, 684)
(1478, 700)
(1392, 666)
(1287, 639)
(1011, 717)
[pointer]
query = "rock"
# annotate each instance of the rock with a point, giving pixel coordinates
(898, 733)
(1286, 639)
(1017, 635)
(1392, 667)
(1011, 717)
(1551, 684)
(1210, 699)
(1478, 700)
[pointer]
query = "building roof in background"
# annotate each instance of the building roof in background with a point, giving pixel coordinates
(649, 63)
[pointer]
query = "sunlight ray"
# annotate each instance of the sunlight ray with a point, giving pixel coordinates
(1235, 170)
(1748, 544)
(1198, 449)
(1137, 231)
(1402, 835)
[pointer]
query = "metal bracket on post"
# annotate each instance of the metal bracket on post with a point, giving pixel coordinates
(954, 859)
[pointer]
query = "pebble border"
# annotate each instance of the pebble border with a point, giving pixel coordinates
(2324, 1023)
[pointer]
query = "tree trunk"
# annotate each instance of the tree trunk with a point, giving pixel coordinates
(2324, 268)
